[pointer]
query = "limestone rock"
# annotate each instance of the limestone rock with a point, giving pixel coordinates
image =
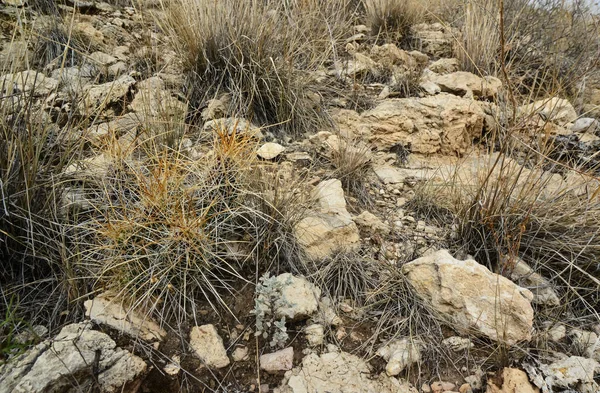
(460, 83)
(270, 150)
(277, 361)
(444, 66)
(472, 297)
(588, 343)
(114, 128)
(208, 346)
(586, 124)
(556, 110)
(152, 99)
(231, 125)
(399, 355)
(72, 362)
(108, 311)
(27, 82)
(330, 228)
(240, 354)
(443, 123)
(512, 380)
(340, 372)
(299, 298)
(430, 88)
(435, 39)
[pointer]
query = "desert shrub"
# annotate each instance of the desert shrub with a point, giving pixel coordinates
(393, 18)
(260, 52)
(351, 160)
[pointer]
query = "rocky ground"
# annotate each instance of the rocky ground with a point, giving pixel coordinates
(479, 329)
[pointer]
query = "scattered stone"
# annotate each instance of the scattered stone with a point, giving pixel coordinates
(240, 354)
(315, 334)
(512, 380)
(399, 355)
(457, 344)
(465, 388)
(339, 372)
(77, 356)
(435, 39)
(107, 310)
(475, 380)
(232, 125)
(174, 367)
(299, 298)
(331, 228)
(588, 343)
(152, 99)
(208, 346)
(556, 332)
(585, 124)
(542, 290)
(430, 87)
(102, 59)
(277, 361)
(270, 150)
(372, 223)
(106, 95)
(472, 297)
(441, 386)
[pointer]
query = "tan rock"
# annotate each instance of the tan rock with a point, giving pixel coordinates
(399, 355)
(444, 66)
(460, 83)
(472, 297)
(513, 380)
(107, 310)
(557, 110)
(330, 228)
(208, 346)
(28, 82)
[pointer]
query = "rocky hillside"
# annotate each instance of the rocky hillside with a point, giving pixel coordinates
(299, 196)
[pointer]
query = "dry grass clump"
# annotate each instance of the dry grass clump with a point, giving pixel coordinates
(548, 45)
(392, 19)
(33, 153)
(351, 160)
(260, 52)
(55, 43)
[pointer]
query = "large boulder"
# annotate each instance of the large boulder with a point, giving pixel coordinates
(338, 372)
(330, 227)
(472, 297)
(77, 360)
(443, 123)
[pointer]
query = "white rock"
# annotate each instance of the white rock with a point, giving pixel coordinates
(585, 124)
(587, 342)
(100, 97)
(270, 150)
(108, 311)
(444, 66)
(208, 346)
(174, 367)
(472, 297)
(399, 355)
(277, 361)
(430, 87)
(69, 360)
(568, 372)
(340, 372)
(315, 334)
(299, 298)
